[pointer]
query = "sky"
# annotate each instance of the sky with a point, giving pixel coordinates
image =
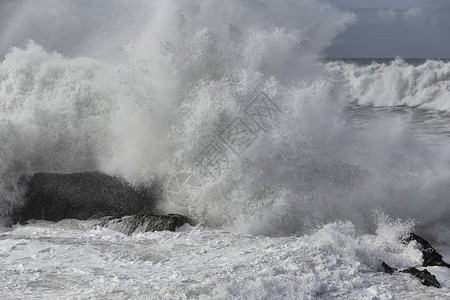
(390, 28)
(385, 28)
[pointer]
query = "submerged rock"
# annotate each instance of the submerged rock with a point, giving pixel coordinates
(141, 223)
(54, 196)
(388, 269)
(430, 256)
(425, 277)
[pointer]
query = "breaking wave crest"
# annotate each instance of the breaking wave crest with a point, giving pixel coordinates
(399, 83)
(231, 94)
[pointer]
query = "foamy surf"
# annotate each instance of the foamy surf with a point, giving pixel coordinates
(293, 198)
(68, 259)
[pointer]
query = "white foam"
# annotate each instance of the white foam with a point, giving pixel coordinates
(193, 70)
(426, 85)
(68, 259)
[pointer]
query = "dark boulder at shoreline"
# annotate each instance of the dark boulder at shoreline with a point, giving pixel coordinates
(425, 277)
(388, 269)
(93, 195)
(141, 223)
(54, 196)
(430, 258)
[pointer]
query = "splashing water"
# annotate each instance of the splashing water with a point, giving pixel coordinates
(183, 97)
(398, 83)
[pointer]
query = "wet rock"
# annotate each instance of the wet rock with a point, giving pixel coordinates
(430, 256)
(141, 223)
(388, 269)
(54, 196)
(425, 277)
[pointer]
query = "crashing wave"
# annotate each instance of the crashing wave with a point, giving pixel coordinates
(398, 83)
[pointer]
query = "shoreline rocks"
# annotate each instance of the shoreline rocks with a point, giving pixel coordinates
(430, 258)
(93, 195)
(430, 255)
(388, 269)
(425, 277)
(142, 223)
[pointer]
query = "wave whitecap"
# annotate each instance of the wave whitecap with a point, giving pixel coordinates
(398, 83)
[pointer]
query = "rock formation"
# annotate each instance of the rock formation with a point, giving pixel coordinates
(93, 195)
(430, 258)
(141, 223)
(54, 196)
(430, 255)
(425, 277)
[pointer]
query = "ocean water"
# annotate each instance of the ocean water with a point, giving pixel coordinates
(301, 173)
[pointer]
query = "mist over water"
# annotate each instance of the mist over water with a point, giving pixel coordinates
(183, 76)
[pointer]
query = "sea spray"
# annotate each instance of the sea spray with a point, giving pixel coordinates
(193, 73)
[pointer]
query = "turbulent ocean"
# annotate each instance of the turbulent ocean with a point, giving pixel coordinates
(301, 173)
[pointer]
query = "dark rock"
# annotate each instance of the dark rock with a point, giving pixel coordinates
(388, 269)
(425, 277)
(141, 223)
(430, 256)
(54, 196)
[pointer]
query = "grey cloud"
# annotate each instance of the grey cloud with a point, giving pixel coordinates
(409, 33)
(414, 13)
(387, 15)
